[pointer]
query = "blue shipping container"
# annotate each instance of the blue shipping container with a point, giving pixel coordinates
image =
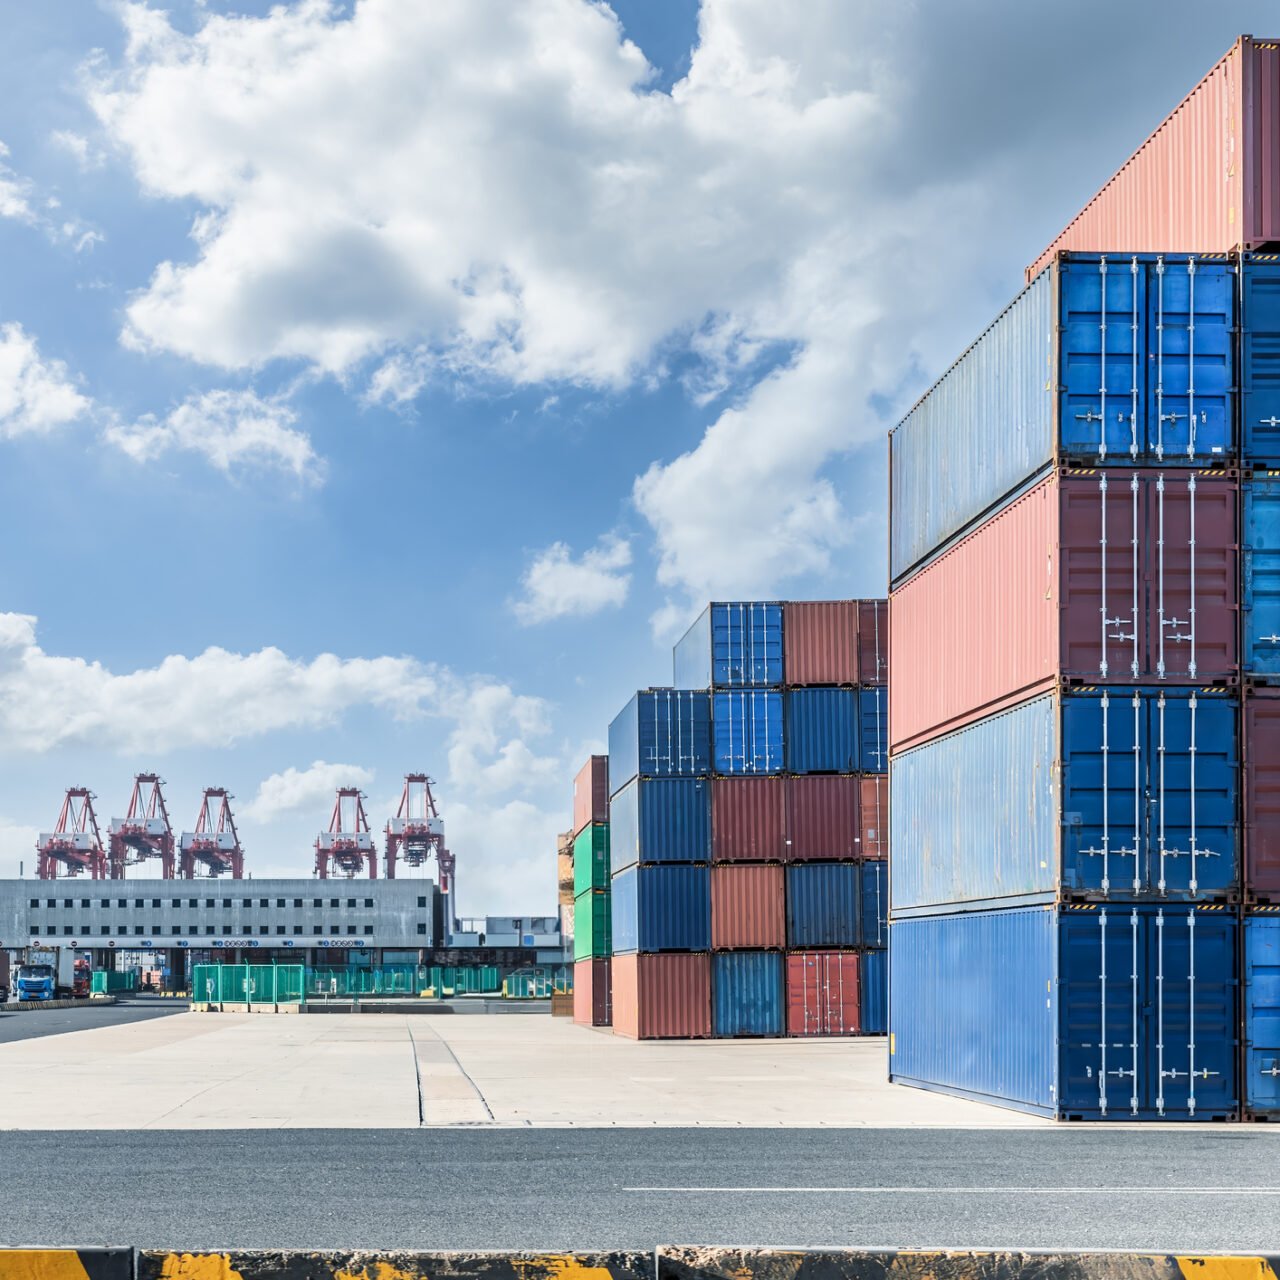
(873, 716)
(823, 905)
(660, 820)
(873, 993)
(660, 733)
(1094, 1013)
(1259, 354)
(731, 646)
(747, 731)
(1139, 371)
(662, 908)
(1262, 1015)
(747, 993)
(1094, 794)
(1260, 569)
(823, 730)
(873, 904)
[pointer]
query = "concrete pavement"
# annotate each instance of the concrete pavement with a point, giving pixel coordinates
(84, 1015)
(239, 1071)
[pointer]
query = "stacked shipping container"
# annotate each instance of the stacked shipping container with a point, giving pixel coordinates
(1085, 845)
(592, 913)
(749, 828)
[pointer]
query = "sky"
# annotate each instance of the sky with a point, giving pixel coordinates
(385, 386)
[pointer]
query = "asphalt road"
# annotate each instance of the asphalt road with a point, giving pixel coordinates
(31, 1024)
(1183, 1191)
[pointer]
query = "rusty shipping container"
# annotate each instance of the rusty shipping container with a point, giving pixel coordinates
(1206, 181)
(662, 997)
(591, 793)
(822, 993)
(873, 816)
(748, 819)
(748, 907)
(873, 641)
(1094, 577)
(592, 993)
(822, 818)
(840, 642)
(1261, 746)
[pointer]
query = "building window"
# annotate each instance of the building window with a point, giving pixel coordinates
(195, 902)
(137, 928)
(422, 901)
(138, 902)
(317, 928)
(35, 902)
(35, 930)
(66, 902)
(264, 902)
(333, 902)
(66, 928)
(297, 902)
(104, 928)
(351, 902)
(248, 902)
(84, 902)
(209, 928)
(368, 902)
(297, 928)
(279, 902)
(175, 929)
(315, 902)
(422, 928)
(279, 928)
(368, 928)
(155, 902)
(52, 902)
(226, 902)
(122, 902)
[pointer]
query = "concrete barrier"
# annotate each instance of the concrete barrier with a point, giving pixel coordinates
(304, 1265)
(30, 1006)
(66, 1264)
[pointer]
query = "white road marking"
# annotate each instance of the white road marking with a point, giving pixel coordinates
(973, 1191)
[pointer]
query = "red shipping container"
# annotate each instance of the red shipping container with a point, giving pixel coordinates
(874, 816)
(591, 793)
(1261, 747)
(822, 818)
(1207, 180)
(662, 997)
(748, 907)
(873, 641)
(748, 820)
(1099, 577)
(591, 993)
(822, 993)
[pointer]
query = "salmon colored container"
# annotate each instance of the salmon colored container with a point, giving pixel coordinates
(874, 816)
(1054, 587)
(822, 993)
(841, 642)
(1207, 180)
(591, 993)
(822, 817)
(662, 997)
(1261, 747)
(591, 793)
(748, 820)
(748, 908)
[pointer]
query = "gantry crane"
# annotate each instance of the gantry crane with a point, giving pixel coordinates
(145, 831)
(215, 843)
(75, 844)
(416, 833)
(347, 845)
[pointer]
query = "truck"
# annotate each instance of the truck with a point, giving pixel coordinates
(46, 973)
(4, 977)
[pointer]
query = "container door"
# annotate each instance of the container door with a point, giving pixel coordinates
(873, 732)
(1190, 1039)
(1192, 766)
(1103, 782)
(1260, 362)
(1262, 795)
(873, 904)
(746, 640)
(1191, 563)
(1100, 1000)
(1262, 1014)
(1101, 401)
(1190, 318)
(1260, 571)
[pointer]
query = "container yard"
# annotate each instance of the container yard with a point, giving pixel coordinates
(1082, 860)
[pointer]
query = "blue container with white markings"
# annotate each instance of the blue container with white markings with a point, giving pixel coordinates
(747, 732)
(660, 733)
(1089, 1012)
(1113, 360)
(873, 993)
(1260, 570)
(1260, 360)
(1262, 1014)
(823, 905)
(873, 904)
(747, 993)
(1120, 794)
(732, 646)
(660, 820)
(664, 907)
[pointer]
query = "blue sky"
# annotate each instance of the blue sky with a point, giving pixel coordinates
(473, 347)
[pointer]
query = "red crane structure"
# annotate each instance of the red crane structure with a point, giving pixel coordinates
(347, 845)
(416, 833)
(75, 844)
(215, 843)
(145, 831)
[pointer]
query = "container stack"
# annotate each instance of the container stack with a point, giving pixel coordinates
(1075, 692)
(564, 885)
(592, 909)
(749, 828)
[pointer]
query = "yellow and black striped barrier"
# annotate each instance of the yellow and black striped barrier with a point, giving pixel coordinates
(67, 1264)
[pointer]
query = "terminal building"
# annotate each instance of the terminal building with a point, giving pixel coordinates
(171, 925)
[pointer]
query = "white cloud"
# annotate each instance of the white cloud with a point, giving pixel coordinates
(558, 586)
(295, 790)
(235, 431)
(15, 193)
(214, 699)
(78, 147)
(36, 395)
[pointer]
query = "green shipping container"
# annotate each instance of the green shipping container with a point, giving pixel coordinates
(592, 926)
(591, 859)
